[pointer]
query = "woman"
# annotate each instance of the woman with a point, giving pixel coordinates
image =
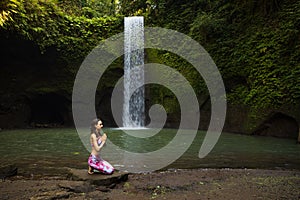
(97, 142)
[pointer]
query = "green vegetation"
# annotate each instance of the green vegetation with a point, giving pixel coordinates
(255, 44)
(66, 26)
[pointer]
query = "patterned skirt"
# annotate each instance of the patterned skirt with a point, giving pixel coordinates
(100, 165)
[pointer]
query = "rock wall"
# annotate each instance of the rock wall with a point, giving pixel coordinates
(278, 124)
(36, 91)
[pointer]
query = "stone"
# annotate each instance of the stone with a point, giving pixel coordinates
(51, 195)
(77, 187)
(98, 178)
(7, 171)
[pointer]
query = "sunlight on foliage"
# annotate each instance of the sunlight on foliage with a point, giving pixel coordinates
(7, 8)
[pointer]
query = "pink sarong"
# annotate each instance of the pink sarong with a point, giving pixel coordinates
(99, 164)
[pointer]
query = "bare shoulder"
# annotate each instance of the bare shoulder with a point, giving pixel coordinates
(93, 136)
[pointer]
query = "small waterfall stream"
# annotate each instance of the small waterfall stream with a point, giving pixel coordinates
(133, 106)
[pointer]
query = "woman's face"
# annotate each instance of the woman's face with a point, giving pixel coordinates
(99, 125)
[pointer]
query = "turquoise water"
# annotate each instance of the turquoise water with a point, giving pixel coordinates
(32, 149)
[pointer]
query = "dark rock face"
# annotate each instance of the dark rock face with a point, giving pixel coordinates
(236, 119)
(54, 110)
(103, 108)
(34, 86)
(43, 111)
(51, 109)
(278, 125)
(14, 112)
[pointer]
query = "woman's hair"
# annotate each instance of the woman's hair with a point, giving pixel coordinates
(93, 124)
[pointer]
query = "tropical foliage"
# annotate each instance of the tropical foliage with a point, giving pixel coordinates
(255, 44)
(66, 27)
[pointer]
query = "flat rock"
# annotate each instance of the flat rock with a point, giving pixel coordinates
(7, 171)
(98, 178)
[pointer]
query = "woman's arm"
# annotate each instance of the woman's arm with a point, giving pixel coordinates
(102, 142)
(95, 142)
(104, 137)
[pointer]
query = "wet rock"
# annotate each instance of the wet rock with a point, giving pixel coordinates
(7, 171)
(51, 195)
(81, 188)
(97, 178)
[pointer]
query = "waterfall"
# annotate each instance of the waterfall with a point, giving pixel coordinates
(133, 106)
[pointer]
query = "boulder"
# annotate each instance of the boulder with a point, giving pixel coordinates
(98, 178)
(7, 171)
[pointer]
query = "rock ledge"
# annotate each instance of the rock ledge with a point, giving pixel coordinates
(98, 178)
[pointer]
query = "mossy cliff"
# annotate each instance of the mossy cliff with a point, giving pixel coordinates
(255, 45)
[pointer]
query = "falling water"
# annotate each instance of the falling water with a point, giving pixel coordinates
(133, 107)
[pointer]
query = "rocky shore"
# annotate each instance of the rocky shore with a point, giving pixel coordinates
(172, 184)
